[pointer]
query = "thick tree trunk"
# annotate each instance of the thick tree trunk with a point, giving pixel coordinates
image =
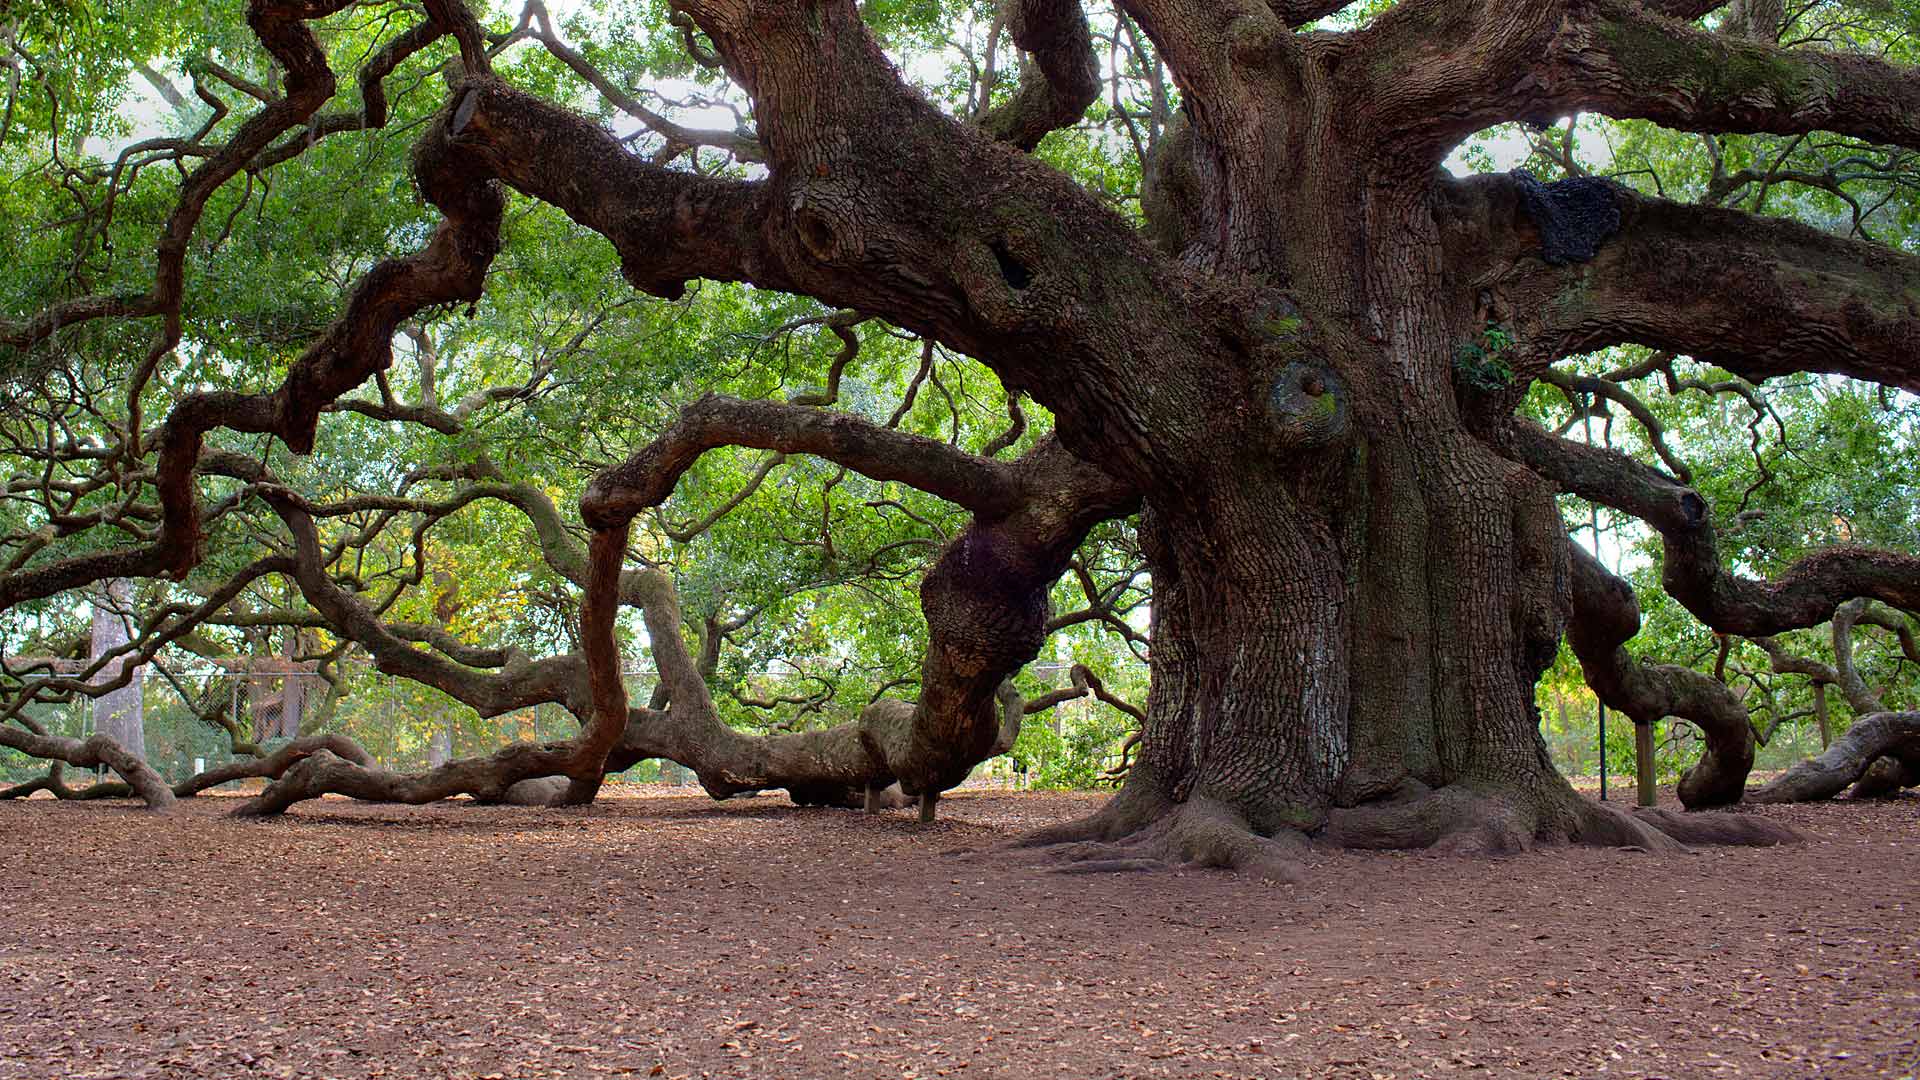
(1360, 669)
(1351, 617)
(1356, 585)
(1308, 686)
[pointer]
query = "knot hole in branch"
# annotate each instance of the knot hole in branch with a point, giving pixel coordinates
(1016, 273)
(816, 232)
(1308, 406)
(828, 217)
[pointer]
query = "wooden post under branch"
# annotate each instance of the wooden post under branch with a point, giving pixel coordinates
(1603, 751)
(1820, 713)
(1643, 754)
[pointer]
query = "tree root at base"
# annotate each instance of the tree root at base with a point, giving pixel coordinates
(1199, 833)
(1471, 821)
(1143, 834)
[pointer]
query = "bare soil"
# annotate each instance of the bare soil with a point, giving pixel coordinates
(677, 937)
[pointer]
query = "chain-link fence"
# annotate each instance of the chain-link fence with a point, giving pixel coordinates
(194, 720)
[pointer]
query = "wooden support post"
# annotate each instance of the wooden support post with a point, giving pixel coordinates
(873, 799)
(1820, 712)
(1643, 753)
(1603, 752)
(927, 802)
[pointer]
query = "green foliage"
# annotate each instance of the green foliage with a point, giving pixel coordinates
(1481, 363)
(1076, 757)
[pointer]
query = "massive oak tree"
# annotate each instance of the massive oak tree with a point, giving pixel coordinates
(1301, 367)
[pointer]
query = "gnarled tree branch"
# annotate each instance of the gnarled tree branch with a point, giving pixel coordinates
(1806, 594)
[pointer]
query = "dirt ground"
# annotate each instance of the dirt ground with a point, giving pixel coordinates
(678, 937)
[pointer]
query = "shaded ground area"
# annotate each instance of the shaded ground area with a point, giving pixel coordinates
(679, 937)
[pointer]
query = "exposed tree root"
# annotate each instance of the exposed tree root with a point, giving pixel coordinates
(1465, 820)
(1136, 833)
(1199, 833)
(1853, 757)
(1719, 830)
(1452, 819)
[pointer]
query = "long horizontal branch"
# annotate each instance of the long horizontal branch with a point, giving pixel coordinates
(1806, 594)
(880, 203)
(490, 779)
(1440, 71)
(271, 766)
(89, 753)
(1869, 739)
(668, 227)
(980, 484)
(1759, 296)
(1628, 62)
